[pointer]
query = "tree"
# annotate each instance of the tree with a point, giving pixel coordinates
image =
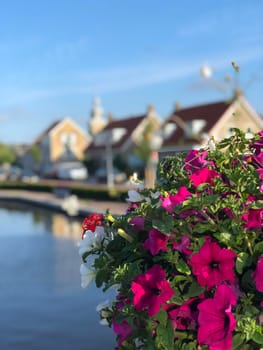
(36, 153)
(7, 154)
(144, 151)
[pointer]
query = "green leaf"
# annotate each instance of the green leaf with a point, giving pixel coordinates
(241, 262)
(165, 337)
(259, 247)
(165, 226)
(258, 338)
(182, 267)
(257, 204)
(203, 227)
(194, 290)
(161, 317)
(237, 341)
(224, 237)
(101, 277)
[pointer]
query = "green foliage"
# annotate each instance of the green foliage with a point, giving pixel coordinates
(143, 149)
(36, 153)
(7, 154)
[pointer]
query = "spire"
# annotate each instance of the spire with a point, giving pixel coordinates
(96, 122)
(96, 110)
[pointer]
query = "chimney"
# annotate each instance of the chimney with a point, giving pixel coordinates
(177, 106)
(110, 117)
(150, 109)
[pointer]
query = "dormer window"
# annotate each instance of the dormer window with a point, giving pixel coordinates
(109, 136)
(117, 134)
(168, 129)
(194, 127)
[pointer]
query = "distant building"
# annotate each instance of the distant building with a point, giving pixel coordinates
(191, 127)
(122, 136)
(63, 141)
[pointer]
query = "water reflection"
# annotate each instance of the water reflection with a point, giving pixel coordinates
(42, 305)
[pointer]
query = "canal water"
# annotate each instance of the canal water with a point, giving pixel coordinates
(42, 306)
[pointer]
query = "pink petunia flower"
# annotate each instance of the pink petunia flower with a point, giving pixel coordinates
(258, 275)
(123, 330)
(184, 316)
(216, 321)
(169, 202)
(213, 265)
(182, 247)
(181, 317)
(258, 145)
(195, 160)
(253, 218)
(155, 242)
(260, 173)
(137, 222)
(204, 175)
(151, 290)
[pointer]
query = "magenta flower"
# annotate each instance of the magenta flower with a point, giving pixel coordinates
(258, 275)
(195, 160)
(123, 330)
(258, 145)
(260, 173)
(156, 241)
(216, 321)
(182, 247)
(137, 222)
(213, 265)
(253, 218)
(181, 318)
(204, 175)
(169, 202)
(151, 290)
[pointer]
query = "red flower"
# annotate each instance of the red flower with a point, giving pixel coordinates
(156, 241)
(91, 221)
(151, 290)
(204, 175)
(216, 322)
(258, 275)
(213, 265)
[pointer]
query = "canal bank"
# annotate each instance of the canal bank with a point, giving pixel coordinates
(60, 204)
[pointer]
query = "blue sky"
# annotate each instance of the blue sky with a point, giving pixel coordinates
(56, 55)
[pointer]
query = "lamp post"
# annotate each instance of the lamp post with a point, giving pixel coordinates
(109, 160)
(151, 167)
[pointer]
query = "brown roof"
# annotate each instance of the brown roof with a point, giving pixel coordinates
(130, 124)
(211, 113)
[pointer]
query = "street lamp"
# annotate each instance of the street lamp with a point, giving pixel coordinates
(109, 160)
(151, 167)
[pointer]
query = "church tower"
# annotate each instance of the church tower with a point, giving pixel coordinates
(96, 121)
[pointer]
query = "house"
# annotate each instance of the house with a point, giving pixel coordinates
(120, 137)
(188, 128)
(62, 142)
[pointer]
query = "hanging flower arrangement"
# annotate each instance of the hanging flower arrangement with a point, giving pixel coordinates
(186, 258)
